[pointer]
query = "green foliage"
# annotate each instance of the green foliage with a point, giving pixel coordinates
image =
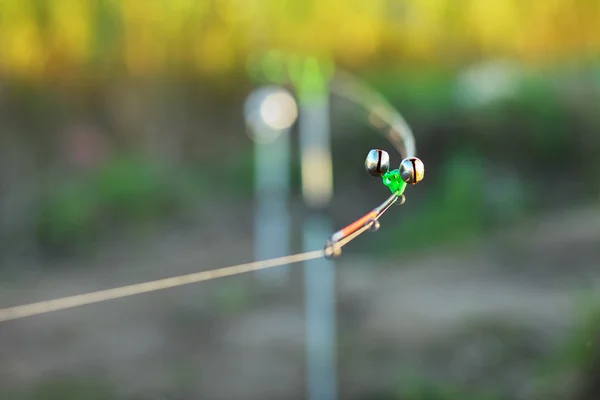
(67, 215)
(542, 117)
(134, 189)
(584, 348)
(122, 192)
(66, 388)
(575, 359)
(237, 176)
(45, 39)
(420, 389)
(455, 208)
(231, 298)
(532, 128)
(512, 142)
(428, 92)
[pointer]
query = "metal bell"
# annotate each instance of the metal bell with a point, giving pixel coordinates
(412, 170)
(377, 162)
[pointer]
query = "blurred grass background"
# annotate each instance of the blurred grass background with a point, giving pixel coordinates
(121, 121)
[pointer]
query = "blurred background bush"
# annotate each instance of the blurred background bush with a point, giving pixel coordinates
(124, 157)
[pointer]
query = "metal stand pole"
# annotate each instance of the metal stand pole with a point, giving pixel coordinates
(272, 219)
(317, 189)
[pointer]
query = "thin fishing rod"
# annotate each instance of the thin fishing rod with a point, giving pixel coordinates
(47, 306)
(377, 163)
(389, 121)
(43, 307)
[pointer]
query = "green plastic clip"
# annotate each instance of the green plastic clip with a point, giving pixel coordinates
(394, 182)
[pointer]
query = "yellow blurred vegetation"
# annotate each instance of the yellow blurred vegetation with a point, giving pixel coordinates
(45, 38)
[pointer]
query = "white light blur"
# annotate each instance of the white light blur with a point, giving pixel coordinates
(485, 83)
(279, 110)
(317, 177)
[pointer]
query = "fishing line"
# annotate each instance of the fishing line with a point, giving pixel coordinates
(64, 303)
(44, 307)
(377, 163)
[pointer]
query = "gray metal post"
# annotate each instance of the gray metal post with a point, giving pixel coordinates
(272, 219)
(317, 190)
(270, 112)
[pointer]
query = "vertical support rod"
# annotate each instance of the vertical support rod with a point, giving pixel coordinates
(272, 219)
(317, 190)
(319, 281)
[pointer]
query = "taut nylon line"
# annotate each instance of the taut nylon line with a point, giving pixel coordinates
(43, 307)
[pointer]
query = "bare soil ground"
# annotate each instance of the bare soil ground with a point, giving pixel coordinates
(482, 314)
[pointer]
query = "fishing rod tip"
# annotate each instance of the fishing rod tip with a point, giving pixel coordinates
(331, 250)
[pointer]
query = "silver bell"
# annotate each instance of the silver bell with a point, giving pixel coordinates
(377, 162)
(412, 170)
